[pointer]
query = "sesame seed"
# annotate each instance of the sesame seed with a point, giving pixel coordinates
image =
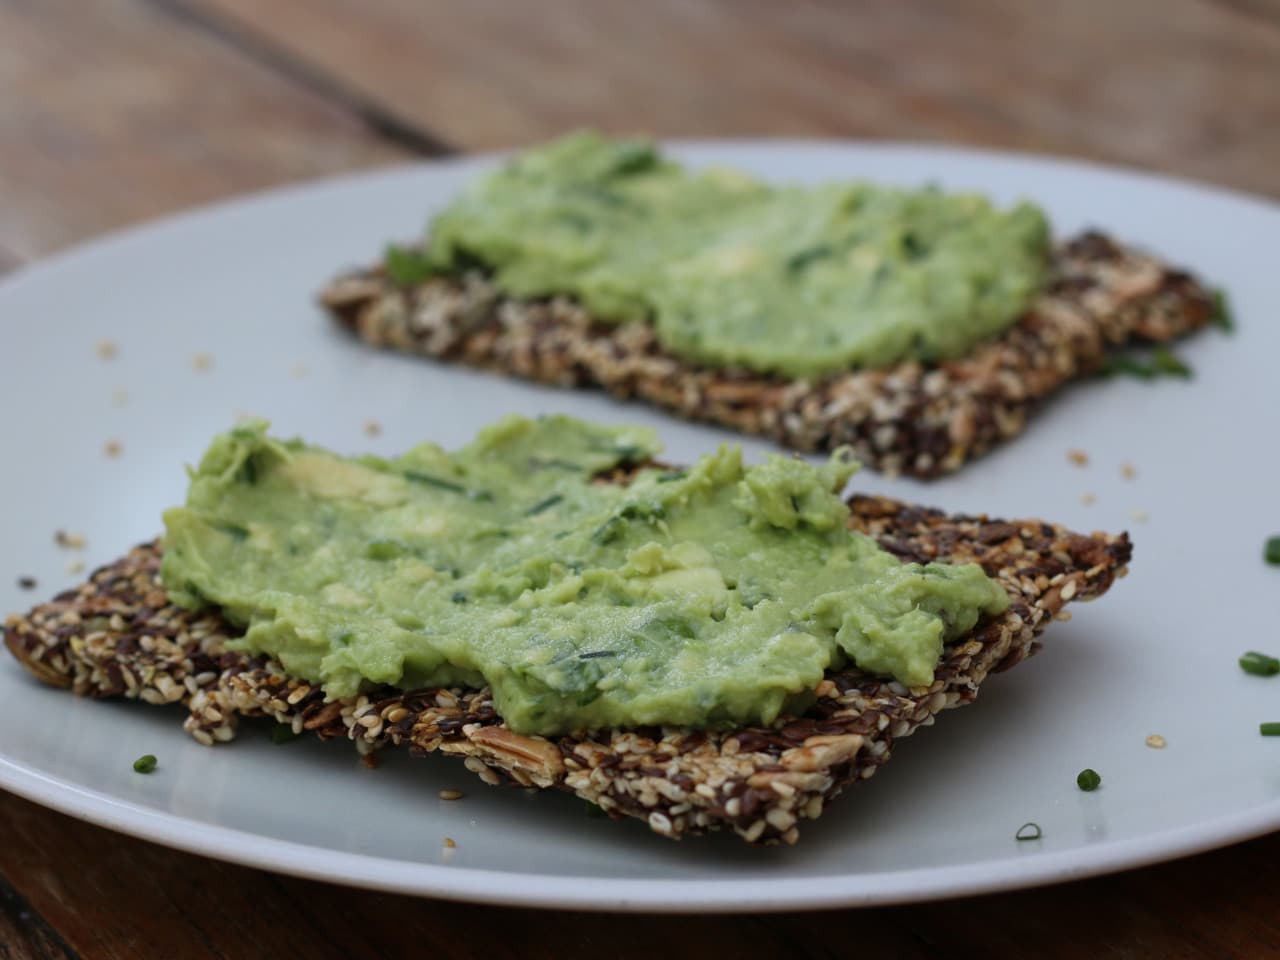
(75, 566)
(372, 428)
(1078, 458)
(70, 541)
(1139, 516)
(1156, 742)
(298, 371)
(112, 448)
(202, 362)
(450, 843)
(106, 349)
(1128, 470)
(27, 583)
(1088, 499)
(451, 794)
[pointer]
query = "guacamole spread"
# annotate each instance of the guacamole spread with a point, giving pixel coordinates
(795, 280)
(709, 595)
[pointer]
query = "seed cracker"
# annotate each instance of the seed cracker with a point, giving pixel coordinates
(913, 418)
(118, 635)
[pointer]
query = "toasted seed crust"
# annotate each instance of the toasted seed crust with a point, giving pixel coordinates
(117, 635)
(923, 420)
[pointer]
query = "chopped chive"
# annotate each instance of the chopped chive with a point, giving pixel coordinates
(1269, 729)
(427, 480)
(1259, 664)
(1271, 552)
(283, 733)
(545, 504)
(1088, 780)
(406, 267)
(1028, 831)
(144, 764)
(1221, 316)
(1164, 361)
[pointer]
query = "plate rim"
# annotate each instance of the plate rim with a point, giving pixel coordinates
(513, 888)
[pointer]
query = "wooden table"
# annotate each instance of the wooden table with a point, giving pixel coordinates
(113, 111)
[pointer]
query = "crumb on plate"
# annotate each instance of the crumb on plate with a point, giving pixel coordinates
(106, 349)
(1078, 457)
(70, 541)
(1088, 499)
(1156, 742)
(113, 448)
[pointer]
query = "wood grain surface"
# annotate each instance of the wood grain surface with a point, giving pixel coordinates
(115, 111)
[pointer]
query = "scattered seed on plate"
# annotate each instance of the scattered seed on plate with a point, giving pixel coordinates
(75, 566)
(449, 843)
(1139, 516)
(1156, 742)
(27, 583)
(144, 764)
(1078, 457)
(119, 397)
(298, 371)
(1128, 470)
(1088, 780)
(372, 428)
(1029, 831)
(71, 541)
(451, 794)
(107, 349)
(202, 362)
(112, 448)
(1088, 499)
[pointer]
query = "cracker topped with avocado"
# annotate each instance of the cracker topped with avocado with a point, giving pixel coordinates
(917, 327)
(715, 645)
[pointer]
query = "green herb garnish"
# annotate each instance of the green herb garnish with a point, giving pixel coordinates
(406, 267)
(1221, 316)
(544, 504)
(1271, 551)
(672, 476)
(1088, 780)
(427, 480)
(1259, 664)
(283, 733)
(1028, 831)
(1163, 362)
(144, 764)
(1269, 729)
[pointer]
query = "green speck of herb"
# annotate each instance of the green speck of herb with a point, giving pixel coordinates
(406, 267)
(1269, 729)
(1028, 831)
(1259, 664)
(383, 550)
(1164, 361)
(608, 531)
(440, 483)
(1221, 316)
(803, 259)
(1271, 551)
(1088, 780)
(459, 597)
(145, 764)
(629, 453)
(283, 733)
(673, 476)
(543, 505)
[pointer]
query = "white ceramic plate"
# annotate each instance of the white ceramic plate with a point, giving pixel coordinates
(1157, 655)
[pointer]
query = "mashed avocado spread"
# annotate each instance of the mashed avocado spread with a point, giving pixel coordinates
(708, 595)
(795, 280)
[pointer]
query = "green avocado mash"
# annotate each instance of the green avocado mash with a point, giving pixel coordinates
(800, 281)
(709, 595)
